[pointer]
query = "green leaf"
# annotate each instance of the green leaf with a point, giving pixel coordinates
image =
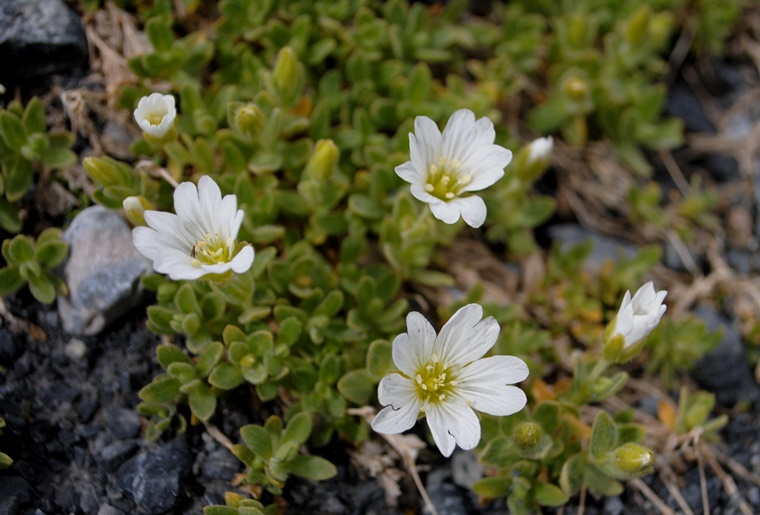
(5, 461)
(34, 116)
(379, 359)
(547, 494)
(219, 510)
(163, 388)
(258, 440)
(14, 132)
(186, 301)
(9, 217)
(183, 372)
(357, 386)
(312, 467)
(225, 376)
(297, 430)
(168, 354)
(202, 401)
(211, 355)
(160, 319)
(603, 435)
(492, 487)
(19, 179)
(42, 288)
(10, 280)
(289, 332)
(158, 30)
(58, 157)
(51, 253)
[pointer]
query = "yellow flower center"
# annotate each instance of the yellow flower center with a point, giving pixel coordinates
(446, 179)
(435, 381)
(212, 250)
(155, 118)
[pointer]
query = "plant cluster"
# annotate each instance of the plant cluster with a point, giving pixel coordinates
(313, 119)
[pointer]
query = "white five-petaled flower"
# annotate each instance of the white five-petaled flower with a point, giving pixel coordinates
(155, 114)
(443, 377)
(446, 166)
(200, 239)
(637, 317)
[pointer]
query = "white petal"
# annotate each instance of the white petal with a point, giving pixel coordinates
(472, 208)
(486, 167)
(403, 404)
(453, 423)
(410, 173)
(425, 143)
(483, 384)
(243, 260)
(171, 230)
(465, 337)
(447, 212)
(413, 349)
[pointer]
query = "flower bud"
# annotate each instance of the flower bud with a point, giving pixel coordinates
(534, 158)
(249, 120)
(134, 209)
(633, 460)
(155, 115)
(637, 317)
(527, 435)
(287, 76)
(247, 361)
(575, 89)
(637, 26)
(323, 160)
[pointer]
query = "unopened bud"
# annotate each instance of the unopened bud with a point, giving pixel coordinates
(637, 28)
(134, 209)
(575, 89)
(247, 361)
(533, 159)
(286, 76)
(249, 120)
(633, 460)
(323, 160)
(527, 435)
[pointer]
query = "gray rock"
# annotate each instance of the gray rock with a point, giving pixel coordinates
(604, 248)
(613, 505)
(682, 104)
(123, 423)
(107, 509)
(103, 271)
(152, 477)
(39, 37)
(13, 491)
(725, 371)
(465, 469)
(113, 455)
(220, 464)
(673, 259)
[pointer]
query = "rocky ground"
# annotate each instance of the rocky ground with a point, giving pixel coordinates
(69, 401)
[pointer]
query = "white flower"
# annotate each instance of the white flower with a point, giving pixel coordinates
(443, 377)
(541, 150)
(445, 166)
(200, 239)
(638, 316)
(155, 114)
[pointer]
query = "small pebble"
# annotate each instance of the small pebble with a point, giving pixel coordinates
(76, 349)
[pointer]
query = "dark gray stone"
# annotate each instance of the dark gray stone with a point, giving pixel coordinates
(113, 455)
(682, 104)
(220, 464)
(604, 247)
(465, 469)
(107, 509)
(725, 371)
(152, 478)
(103, 271)
(123, 423)
(13, 491)
(39, 37)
